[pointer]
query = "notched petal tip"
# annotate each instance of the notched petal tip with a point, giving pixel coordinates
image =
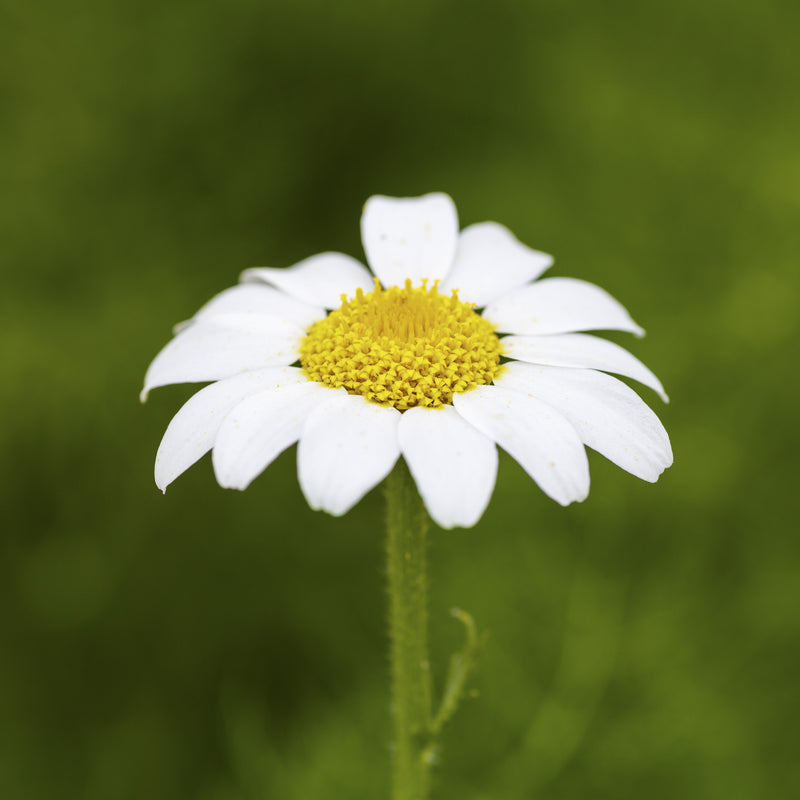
(334, 512)
(579, 497)
(653, 478)
(233, 487)
(161, 480)
(160, 476)
(413, 200)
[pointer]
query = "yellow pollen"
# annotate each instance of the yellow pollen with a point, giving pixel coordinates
(402, 347)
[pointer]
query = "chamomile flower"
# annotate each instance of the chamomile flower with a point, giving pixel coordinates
(451, 346)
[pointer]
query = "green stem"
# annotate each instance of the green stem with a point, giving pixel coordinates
(407, 526)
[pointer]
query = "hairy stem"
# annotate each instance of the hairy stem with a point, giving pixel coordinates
(407, 526)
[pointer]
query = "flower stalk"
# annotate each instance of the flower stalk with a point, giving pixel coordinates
(416, 725)
(407, 527)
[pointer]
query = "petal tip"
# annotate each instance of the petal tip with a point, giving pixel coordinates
(162, 480)
(659, 470)
(238, 486)
(336, 512)
(565, 503)
(451, 525)
(326, 505)
(250, 275)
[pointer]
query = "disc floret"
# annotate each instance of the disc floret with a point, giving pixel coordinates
(403, 347)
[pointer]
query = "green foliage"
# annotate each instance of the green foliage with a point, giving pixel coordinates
(211, 645)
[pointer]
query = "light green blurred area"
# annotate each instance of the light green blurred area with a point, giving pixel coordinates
(222, 646)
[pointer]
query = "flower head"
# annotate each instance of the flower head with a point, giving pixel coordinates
(360, 369)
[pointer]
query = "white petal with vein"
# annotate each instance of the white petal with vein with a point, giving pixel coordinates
(453, 464)
(347, 447)
(608, 415)
(581, 350)
(320, 280)
(193, 430)
(544, 443)
(223, 346)
(261, 427)
(559, 305)
(409, 237)
(491, 261)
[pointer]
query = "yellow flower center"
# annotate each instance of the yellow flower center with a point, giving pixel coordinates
(402, 347)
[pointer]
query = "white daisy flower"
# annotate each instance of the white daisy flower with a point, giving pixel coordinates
(360, 370)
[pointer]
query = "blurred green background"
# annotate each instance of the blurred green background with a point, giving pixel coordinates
(214, 645)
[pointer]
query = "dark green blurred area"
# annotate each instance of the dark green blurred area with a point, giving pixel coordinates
(222, 646)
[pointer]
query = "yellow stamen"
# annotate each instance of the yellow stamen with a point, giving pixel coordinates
(402, 347)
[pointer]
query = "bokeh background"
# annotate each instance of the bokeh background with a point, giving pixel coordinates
(212, 645)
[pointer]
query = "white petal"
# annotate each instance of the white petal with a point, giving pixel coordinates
(193, 430)
(348, 446)
(491, 261)
(581, 350)
(320, 280)
(255, 298)
(260, 428)
(454, 465)
(544, 443)
(608, 415)
(223, 346)
(559, 305)
(409, 237)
